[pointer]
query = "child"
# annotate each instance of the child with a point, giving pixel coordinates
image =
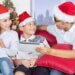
(26, 66)
(8, 42)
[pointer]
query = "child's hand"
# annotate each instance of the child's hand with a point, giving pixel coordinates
(26, 63)
(17, 62)
(1, 44)
(29, 63)
(32, 62)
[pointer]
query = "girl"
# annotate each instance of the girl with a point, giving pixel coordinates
(8, 42)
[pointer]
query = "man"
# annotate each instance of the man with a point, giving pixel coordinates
(64, 30)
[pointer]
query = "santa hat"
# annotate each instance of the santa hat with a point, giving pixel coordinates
(4, 13)
(65, 12)
(24, 18)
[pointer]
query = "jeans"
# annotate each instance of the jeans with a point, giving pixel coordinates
(56, 72)
(6, 66)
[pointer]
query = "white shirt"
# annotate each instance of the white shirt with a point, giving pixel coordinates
(10, 39)
(67, 37)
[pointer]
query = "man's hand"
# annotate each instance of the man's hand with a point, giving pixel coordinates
(43, 50)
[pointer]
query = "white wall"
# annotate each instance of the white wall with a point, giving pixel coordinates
(33, 8)
(1, 1)
(22, 5)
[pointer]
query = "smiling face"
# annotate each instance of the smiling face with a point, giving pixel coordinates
(62, 24)
(29, 28)
(5, 24)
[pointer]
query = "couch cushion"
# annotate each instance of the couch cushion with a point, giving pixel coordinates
(66, 65)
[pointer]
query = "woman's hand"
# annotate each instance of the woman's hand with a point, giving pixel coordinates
(1, 44)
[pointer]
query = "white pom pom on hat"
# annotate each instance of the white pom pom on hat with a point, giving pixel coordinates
(24, 18)
(4, 12)
(65, 12)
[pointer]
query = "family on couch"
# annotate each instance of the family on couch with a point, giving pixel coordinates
(63, 30)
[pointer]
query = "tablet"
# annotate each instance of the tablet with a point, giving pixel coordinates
(27, 50)
(28, 46)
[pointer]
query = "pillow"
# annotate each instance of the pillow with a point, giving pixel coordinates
(61, 64)
(66, 65)
(63, 46)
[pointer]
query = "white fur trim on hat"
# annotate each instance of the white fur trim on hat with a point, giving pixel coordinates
(63, 16)
(26, 21)
(4, 15)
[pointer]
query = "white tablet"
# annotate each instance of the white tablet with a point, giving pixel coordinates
(24, 46)
(27, 50)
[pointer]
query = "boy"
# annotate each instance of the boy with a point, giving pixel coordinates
(26, 66)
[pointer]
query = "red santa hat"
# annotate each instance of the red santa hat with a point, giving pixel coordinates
(24, 18)
(4, 13)
(65, 12)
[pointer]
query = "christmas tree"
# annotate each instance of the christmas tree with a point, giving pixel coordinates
(13, 15)
(8, 3)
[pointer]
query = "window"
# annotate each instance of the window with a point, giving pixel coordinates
(42, 10)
